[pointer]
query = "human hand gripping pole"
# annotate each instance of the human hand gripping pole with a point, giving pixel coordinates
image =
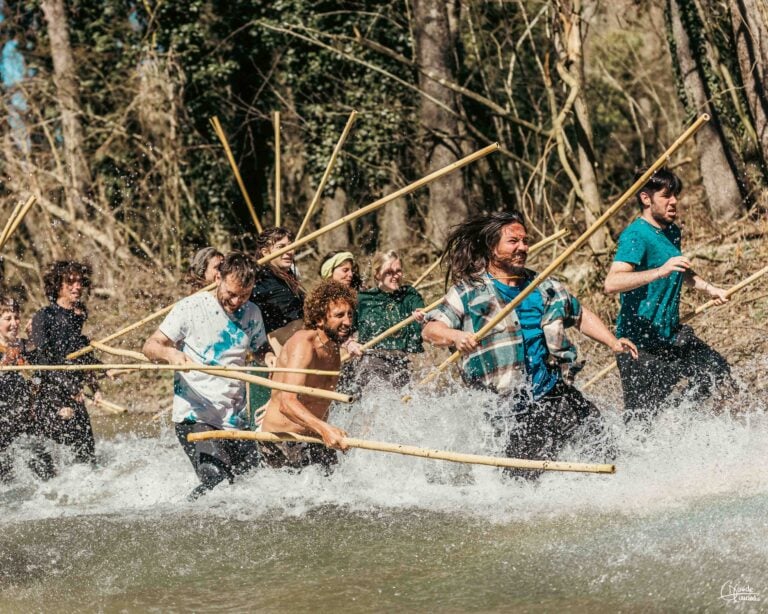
(576, 244)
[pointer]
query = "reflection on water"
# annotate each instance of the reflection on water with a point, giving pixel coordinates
(684, 514)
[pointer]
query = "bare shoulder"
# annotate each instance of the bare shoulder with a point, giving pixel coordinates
(299, 349)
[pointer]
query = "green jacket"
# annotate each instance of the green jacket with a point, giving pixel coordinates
(377, 311)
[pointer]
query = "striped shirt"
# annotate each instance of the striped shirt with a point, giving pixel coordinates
(499, 361)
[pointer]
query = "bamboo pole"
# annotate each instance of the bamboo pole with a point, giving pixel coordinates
(426, 273)
(220, 371)
(554, 265)
(380, 446)
(392, 330)
(9, 222)
(147, 366)
(223, 138)
(278, 179)
(547, 241)
(15, 221)
(687, 318)
(112, 408)
(327, 173)
(313, 235)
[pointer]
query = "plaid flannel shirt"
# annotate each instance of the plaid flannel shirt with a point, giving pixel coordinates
(499, 361)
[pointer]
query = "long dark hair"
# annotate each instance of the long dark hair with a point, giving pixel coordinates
(268, 237)
(471, 243)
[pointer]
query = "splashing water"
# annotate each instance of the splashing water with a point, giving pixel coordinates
(684, 515)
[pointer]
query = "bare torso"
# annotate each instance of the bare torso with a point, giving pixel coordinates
(324, 357)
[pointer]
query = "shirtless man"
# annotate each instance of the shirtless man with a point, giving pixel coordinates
(328, 313)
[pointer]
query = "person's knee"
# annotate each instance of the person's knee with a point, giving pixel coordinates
(212, 472)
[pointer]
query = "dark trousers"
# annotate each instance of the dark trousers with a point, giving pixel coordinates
(216, 460)
(391, 367)
(297, 455)
(539, 429)
(75, 433)
(11, 428)
(649, 381)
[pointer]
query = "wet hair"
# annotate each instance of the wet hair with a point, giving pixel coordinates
(8, 303)
(240, 266)
(268, 237)
(199, 265)
(662, 180)
(65, 270)
(469, 247)
(357, 280)
(318, 301)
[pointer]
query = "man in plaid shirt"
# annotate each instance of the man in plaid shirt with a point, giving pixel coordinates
(527, 358)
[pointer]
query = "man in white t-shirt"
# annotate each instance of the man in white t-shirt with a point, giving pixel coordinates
(213, 328)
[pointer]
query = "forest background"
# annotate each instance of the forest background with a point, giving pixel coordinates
(107, 107)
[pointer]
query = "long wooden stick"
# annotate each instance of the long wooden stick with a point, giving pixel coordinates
(426, 273)
(220, 371)
(9, 222)
(327, 173)
(162, 367)
(312, 236)
(392, 330)
(686, 318)
(15, 221)
(380, 446)
(223, 138)
(112, 408)
(610, 212)
(278, 178)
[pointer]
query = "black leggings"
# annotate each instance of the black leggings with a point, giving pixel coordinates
(75, 433)
(216, 460)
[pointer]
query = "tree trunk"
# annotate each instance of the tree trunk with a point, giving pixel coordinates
(572, 43)
(718, 170)
(68, 94)
(394, 231)
(750, 28)
(435, 45)
(333, 208)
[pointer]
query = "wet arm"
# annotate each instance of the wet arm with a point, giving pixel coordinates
(593, 327)
(159, 348)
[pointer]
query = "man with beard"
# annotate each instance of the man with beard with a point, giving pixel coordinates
(212, 328)
(328, 314)
(649, 271)
(527, 358)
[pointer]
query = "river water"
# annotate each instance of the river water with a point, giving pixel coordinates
(681, 526)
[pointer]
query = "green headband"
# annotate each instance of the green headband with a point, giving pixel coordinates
(327, 269)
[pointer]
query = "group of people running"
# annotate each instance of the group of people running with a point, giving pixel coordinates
(263, 315)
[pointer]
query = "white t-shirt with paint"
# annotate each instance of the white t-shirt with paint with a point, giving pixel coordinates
(200, 328)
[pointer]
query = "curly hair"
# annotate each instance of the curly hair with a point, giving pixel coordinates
(65, 270)
(471, 243)
(318, 301)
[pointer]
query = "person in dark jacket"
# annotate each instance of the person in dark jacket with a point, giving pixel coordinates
(16, 415)
(57, 332)
(379, 308)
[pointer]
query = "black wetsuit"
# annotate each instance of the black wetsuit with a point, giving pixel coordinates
(57, 332)
(279, 304)
(17, 417)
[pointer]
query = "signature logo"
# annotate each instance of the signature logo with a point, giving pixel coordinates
(733, 592)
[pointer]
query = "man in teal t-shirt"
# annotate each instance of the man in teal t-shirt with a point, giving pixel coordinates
(649, 271)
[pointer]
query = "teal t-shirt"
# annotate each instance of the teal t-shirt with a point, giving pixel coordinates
(542, 377)
(650, 315)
